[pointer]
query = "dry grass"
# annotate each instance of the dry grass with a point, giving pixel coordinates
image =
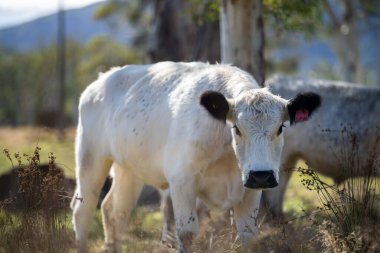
(305, 229)
(364, 238)
(39, 222)
(352, 207)
(217, 234)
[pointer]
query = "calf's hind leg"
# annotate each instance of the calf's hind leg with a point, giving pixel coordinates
(91, 174)
(117, 206)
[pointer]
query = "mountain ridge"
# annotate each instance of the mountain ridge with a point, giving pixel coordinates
(80, 26)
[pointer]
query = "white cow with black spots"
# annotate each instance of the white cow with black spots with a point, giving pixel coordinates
(200, 130)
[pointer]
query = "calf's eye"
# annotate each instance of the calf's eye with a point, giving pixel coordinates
(237, 131)
(280, 129)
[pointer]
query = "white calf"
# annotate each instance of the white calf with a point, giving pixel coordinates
(202, 130)
(356, 107)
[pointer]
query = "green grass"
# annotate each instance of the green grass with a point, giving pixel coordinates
(144, 228)
(24, 140)
(297, 198)
(143, 232)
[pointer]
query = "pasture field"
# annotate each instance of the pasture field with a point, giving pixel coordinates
(304, 229)
(24, 140)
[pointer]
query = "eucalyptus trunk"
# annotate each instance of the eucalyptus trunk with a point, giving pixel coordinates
(242, 36)
(347, 38)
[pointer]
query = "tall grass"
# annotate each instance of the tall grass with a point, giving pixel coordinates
(352, 206)
(38, 221)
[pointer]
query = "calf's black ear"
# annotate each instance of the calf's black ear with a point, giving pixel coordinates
(302, 106)
(216, 104)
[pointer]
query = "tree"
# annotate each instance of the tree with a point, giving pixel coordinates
(342, 21)
(183, 30)
(101, 54)
(61, 63)
(242, 36)
(176, 30)
(347, 48)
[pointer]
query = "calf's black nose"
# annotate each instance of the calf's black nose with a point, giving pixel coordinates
(261, 180)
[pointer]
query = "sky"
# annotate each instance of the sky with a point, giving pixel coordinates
(14, 12)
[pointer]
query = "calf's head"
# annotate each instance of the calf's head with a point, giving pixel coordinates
(257, 119)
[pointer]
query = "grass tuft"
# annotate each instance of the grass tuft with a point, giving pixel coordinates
(34, 218)
(352, 206)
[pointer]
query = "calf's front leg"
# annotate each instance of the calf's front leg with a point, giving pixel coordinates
(183, 195)
(245, 213)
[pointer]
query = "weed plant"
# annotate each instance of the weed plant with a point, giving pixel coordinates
(351, 206)
(37, 221)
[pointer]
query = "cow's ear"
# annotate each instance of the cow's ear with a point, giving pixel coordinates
(216, 104)
(302, 106)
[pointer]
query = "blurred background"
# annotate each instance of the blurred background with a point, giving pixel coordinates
(51, 50)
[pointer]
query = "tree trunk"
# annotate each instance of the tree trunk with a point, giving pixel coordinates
(242, 36)
(61, 59)
(177, 38)
(347, 46)
(170, 32)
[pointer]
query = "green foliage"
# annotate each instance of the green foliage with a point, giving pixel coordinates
(27, 84)
(204, 11)
(371, 8)
(22, 76)
(132, 10)
(295, 15)
(100, 55)
(8, 103)
(29, 81)
(108, 9)
(136, 12)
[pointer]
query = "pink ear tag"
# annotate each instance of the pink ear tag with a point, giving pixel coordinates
(301, 115)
